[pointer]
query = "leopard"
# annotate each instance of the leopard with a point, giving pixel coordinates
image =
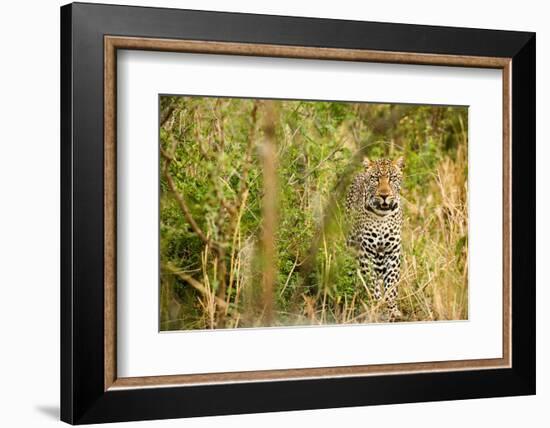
(374, 205)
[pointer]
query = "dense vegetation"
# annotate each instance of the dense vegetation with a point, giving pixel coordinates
(253, 229)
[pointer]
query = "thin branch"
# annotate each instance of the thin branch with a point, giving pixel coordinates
(183, 204)
(185, 209)
(315, 168)
(167, 113)
(197, 285)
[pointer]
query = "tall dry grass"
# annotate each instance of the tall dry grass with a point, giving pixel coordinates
(434, 284)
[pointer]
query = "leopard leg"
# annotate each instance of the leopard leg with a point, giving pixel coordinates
(379, 272)
(391, 298)
(371, 275)
(391, 283)
(378, 288)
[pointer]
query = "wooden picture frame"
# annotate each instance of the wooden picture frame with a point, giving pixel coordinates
(91, 390)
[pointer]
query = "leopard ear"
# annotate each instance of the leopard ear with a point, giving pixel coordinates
(367, 162)
(400, 163)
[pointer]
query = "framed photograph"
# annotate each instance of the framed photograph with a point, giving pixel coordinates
(266, 213)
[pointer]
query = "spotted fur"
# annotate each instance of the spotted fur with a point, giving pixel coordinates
(374, 205)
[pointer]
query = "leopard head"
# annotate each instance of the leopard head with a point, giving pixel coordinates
(383, 184)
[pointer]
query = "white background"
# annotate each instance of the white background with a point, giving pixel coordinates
(142, 351)
(29, 226)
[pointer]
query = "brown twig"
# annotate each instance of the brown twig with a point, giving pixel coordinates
(185, 209)
(181, 201)
(197, 285)
(166, 113)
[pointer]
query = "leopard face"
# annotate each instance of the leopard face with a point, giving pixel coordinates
(383, 184)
